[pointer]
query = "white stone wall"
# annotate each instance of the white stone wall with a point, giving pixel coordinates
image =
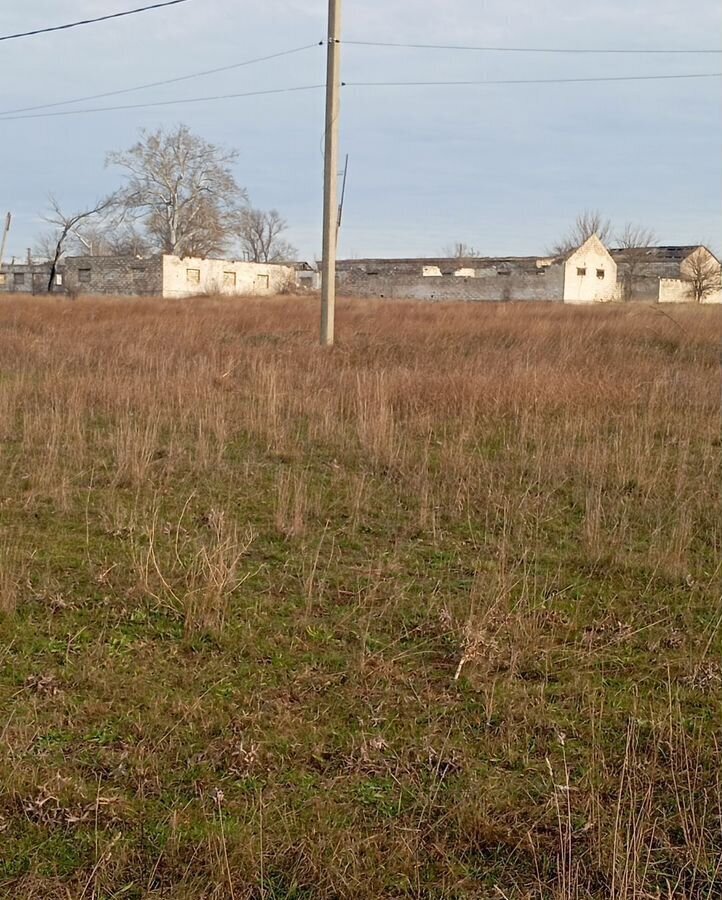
(713, 298)
(189, 277)
(590, 274)
(675, 290)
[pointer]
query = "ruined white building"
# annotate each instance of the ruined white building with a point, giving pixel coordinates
(173, 276)
(655, 274)
(191, 276)
(590, 274)
(585, 275)
(700, 280)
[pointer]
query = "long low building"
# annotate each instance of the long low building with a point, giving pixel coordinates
(589, 274)
(585, 275)
(162, 275)
(641, 269)
(173, 276)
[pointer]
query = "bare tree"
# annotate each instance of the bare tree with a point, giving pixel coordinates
(586, 224)
(459, 250)
(89, 239)
(64, 226)
(703, 273)
(44, 245)
(109, 239)
(635, 240)
(633, 236)
(183, 190)
(260, 233)
(127, 241)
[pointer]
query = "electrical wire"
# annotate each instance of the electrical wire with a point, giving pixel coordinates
(529, 80)
(569, 50)
(17, 111)
(118, 15)
(98, 109)
(152, 84)
(352, 84)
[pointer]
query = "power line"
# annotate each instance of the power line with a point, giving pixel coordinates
(118, 15)
(98, 109)
(529, 80)
(282, 53)
(152, 84)
(569, 50)
(310, 87)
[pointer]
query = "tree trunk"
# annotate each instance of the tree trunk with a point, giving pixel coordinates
(54, 268)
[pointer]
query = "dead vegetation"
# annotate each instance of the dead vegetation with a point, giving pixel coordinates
(435, 614)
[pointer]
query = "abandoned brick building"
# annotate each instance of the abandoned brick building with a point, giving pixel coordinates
(591, 273)
(162, 275)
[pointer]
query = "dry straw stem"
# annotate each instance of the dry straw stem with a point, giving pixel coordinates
(13, 576)
(203, 573)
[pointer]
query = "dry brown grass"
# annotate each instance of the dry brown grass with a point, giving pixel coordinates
(434, 613)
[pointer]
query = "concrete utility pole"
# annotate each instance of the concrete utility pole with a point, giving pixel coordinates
(6, 231)
(330, 174)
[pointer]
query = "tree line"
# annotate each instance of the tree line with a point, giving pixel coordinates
(178, 196)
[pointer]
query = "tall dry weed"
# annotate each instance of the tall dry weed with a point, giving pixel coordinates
(292, 503)
(192, 576)
(13, 573)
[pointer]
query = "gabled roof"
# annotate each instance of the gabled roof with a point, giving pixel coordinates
(592, 241)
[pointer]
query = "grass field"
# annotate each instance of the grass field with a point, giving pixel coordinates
(434, 614)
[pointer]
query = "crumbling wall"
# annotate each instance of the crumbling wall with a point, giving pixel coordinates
(676, 290)
(190, 277)
(28, 278)
(308, 280)
(117, 275)
(639, 286)
(545, 284)
(640, 276)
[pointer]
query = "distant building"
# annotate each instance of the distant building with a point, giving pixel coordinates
(162, 276)
(28, 278)
(699, 279)
(590, 274)
(641, 268)
(587, 274)
(473, 279)
(173, 276)
(307, 277)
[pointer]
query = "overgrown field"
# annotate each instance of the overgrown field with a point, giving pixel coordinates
(435, 613)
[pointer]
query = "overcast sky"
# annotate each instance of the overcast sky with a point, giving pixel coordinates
(503, 168)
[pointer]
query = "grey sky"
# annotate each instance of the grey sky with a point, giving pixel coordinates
(503, 168)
